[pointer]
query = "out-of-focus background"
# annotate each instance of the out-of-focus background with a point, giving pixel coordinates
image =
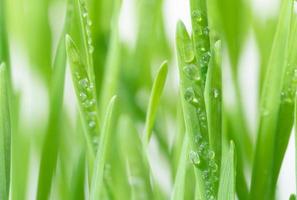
(35, 101)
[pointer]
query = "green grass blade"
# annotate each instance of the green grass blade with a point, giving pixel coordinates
(201, 35)
(292, 197)
(78, 179)
(98, 177)
(112, 66)
(138, 171)
(270, 101)
(157, 90)
(4, 52)
(228, 173)
(179, 184)
(50, 147)
(194, 111)
(85, 93)
(5, 134)
(86, 36)
(213, 98)
(286, 111)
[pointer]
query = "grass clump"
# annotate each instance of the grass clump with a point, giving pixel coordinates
(135, 136)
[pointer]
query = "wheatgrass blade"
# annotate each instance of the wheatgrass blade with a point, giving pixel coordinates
(228, 173)
(97, 183)
(270, 102)
(5, 134)
(155, 97)
(50, 147)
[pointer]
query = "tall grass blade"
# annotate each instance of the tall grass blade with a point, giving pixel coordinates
(213, 98)
(98, 177)
(285, 119)
(5, 135)
(228, 174)
(179, 184)
(157, 90)
(192, 98)
(50, 147)
(270, 101)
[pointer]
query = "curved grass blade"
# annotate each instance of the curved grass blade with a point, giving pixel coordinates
(157, 90)
(228, 174)
(213, 98)
(5, 135)
(192, 98)
(50, 147)
(286, 111)
(270, 101)
(98, 177)
(112, 66)
(179, 184)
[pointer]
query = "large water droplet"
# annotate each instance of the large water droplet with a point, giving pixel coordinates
(189, 95)
(192, 72)
(92, 124)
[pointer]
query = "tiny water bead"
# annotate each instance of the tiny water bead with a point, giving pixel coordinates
(198, 16)
(194, 157)
(216, 93)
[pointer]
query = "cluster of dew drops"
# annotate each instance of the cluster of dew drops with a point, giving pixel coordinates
(202, 31)
(204, 159)
(88, 24)
(88, 102)
(288, 95)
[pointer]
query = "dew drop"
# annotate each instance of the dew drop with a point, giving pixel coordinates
(192, 72)
(91, 49)
(92, 124)
(190, 96)
(83, 96)
(216, 93)
(211, 154)
(194, 157)
(84, 83)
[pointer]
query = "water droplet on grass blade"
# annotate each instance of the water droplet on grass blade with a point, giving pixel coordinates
(192, 72)
(190, 96)
(194, 157)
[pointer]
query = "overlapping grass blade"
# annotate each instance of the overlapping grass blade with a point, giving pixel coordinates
(180, 179)
(228, 174)
(85, 94)
(270, 102)
(201, 35)
(192, 98)
(5, 134)
(78, 179)
(213, 101)
(98, 177)
(285, 119)
(112, 66)
(50, 147)
(157, 90)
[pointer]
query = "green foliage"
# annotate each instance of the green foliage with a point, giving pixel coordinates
(122, 134)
